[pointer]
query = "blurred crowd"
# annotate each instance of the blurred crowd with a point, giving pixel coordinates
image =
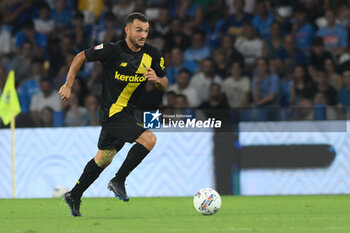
(247, 54)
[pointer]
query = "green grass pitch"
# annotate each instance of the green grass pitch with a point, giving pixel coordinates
(268, 214)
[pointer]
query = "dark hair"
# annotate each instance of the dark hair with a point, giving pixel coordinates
(332, 61)
(306, 76)
(317, 41)
(300, 10)
(110, 17)
(267, 61)
(45, 80)
(248, 24)
(198, 32)
(345, 70)
(345, 66)
(181, 96)
(330, 10)
(67, 35)
(231, 37)
(136, 15)
(44, 5)
(176, 18)
(37, 60)
(28, 24)
(213, 84)
(241, 66)
(26, 41)
(47, 108)
(276, 23)
(184, 70)
(91, 95)
(321, 70)
(78, 15)
(208, 59)
(178, 48)
(170, 93)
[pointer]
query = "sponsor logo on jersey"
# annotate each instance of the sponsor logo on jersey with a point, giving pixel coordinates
(130, 78)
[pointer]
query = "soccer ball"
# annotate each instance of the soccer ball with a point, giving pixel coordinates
(59, 191)
(207, 201)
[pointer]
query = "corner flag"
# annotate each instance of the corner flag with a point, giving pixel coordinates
(9, 104)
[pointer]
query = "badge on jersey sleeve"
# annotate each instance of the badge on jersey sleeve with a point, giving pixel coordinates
(162, 63)
(97, 47)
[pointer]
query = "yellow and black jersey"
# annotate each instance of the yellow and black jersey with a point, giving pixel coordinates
(123, 74)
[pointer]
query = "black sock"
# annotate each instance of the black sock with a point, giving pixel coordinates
(136, 154)
(90, 174)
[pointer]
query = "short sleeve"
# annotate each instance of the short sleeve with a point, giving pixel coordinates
(20, 38)
(274, 85)
(319, 32)
(223, 27)
(252, 86)
(246, 84)
(158, 63)
(41, 40)
(34, 103)
(99, 52)
(343, 38)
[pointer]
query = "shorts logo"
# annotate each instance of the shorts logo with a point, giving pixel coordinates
(151, 120)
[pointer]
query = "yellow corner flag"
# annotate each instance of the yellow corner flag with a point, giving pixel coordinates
(9, 104)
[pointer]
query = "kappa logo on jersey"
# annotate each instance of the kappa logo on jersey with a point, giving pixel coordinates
(130, 78)
(151, 120)
(97, 47)
(123, 64)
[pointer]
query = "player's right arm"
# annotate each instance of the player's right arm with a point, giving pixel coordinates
(74, 68)
(99, 52)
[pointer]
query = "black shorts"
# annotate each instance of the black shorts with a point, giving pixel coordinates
(122, 128)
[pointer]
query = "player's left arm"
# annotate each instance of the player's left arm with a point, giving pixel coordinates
(160, 82)
(157, 73)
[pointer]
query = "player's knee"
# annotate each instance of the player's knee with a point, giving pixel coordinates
(105, 164)
(147, 139)
(105, 157)
(152, 139)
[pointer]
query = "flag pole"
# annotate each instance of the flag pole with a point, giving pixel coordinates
(13, 156)
(9, 109)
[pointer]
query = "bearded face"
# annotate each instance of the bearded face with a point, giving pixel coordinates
(137, 32)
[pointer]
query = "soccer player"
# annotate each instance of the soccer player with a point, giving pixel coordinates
(127, 65)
